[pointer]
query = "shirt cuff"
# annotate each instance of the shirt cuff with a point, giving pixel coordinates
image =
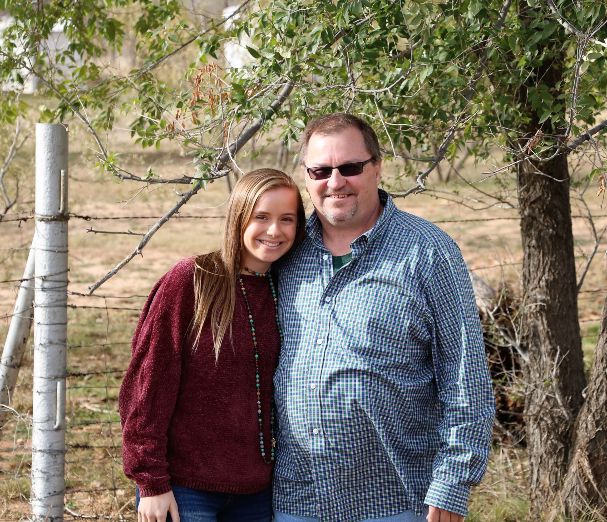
(152, 491)
(451, 497)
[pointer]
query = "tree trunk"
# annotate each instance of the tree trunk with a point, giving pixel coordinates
(554, 372)
(18, 333)
(584, 492)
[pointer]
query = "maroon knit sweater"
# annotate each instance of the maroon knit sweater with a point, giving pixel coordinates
(187, 420)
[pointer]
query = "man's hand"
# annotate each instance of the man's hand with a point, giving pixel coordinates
(441, 515)
(155, 509)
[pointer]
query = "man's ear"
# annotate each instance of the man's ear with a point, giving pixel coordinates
(302, 168)
(377, 165)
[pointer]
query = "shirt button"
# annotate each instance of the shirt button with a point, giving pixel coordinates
(318, 341)
(327, 299)
(325, 256)
(315, 431)
(313, 385)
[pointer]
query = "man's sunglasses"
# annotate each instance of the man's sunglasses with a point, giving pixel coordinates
(346, 170)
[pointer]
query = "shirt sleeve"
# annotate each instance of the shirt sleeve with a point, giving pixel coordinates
(151, 384)
(463, 382)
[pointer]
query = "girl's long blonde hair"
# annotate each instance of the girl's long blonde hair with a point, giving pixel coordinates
(215, 273)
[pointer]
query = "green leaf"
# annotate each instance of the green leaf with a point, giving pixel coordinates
(425, 72)
(547, 113)
(253, 52)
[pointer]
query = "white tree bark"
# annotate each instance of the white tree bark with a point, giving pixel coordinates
(50, 320)
(18, 332)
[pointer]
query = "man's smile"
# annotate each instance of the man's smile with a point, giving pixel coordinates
(337, 196)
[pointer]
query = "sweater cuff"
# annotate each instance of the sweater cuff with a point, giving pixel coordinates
(451, 497)
(152, 491)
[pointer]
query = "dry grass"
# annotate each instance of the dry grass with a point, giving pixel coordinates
(100, 327)
(502, 495)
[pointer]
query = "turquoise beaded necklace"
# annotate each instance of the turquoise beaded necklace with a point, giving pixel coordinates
(262, 446)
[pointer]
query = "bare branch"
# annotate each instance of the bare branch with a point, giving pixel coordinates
(595, 249)
(126, 233)
(224, 158)
(440, 155)
(579, 58)
(82, 117)
(586, 136)
(474, 186)
(14, 148)
(449, 196)
(597, 241)
(383, 122)
(125, 175)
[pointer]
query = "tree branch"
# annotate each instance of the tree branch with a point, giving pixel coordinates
(118, 232)
(441, 153)
(597, 241)
(153, 65)
(569, 27)
(14, 148)
(224, 158)
(587, 136)
(579, 58)
(598, 238)
(473, 186)
(468, 95)
(120, 172)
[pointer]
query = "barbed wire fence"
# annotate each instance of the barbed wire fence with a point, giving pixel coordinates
(98, 351)
(100, 326)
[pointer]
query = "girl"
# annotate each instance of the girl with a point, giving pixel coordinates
(196, 401)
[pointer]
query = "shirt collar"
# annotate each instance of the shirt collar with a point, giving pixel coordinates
(314, 226)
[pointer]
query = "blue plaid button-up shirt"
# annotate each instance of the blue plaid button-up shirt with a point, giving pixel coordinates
(383, 397)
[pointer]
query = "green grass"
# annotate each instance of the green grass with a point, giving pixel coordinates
(590, 337)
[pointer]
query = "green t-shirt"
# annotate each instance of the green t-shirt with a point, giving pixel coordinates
(341, 261)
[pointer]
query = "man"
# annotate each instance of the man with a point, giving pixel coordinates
(383, 397)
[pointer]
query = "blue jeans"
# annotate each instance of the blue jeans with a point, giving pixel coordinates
(204, 506)
(407, 516)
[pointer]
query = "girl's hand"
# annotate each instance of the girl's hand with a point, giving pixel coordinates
(155, 509)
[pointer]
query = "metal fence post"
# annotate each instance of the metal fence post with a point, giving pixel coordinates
(50, 324)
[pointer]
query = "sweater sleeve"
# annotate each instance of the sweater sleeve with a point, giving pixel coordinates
(151, 384)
